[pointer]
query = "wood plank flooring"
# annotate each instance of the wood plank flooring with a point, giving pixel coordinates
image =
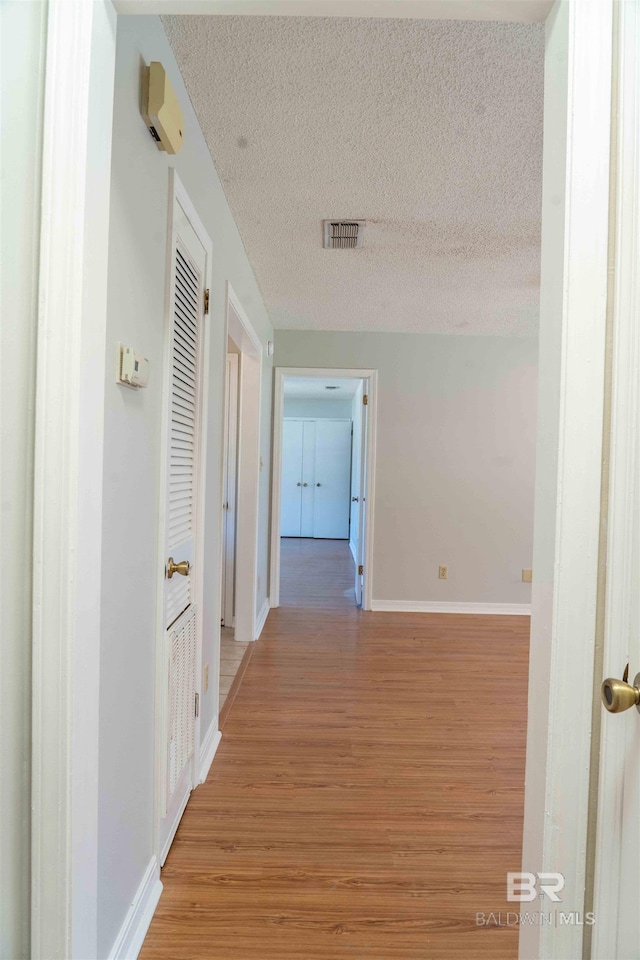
(366, 800)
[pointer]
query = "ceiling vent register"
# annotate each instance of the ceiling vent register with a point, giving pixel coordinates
(343, 234)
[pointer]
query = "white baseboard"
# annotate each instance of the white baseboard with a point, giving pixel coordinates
(262, 617)
(354, 550)
(208, 749)
(436, 606)
(136, 923)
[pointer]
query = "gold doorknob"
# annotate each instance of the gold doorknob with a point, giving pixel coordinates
(182, 568)
(618, 696)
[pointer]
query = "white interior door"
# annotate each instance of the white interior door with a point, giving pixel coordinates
(361, 505)
(307, 513)
(230, 492)
(332, 479)
(291, 492)
(616, 932)
(181, 614)
(356, 450)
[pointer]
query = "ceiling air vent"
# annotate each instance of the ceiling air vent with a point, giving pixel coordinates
(343, 234)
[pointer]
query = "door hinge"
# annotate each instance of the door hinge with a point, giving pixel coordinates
(197, 704)
(365, 399)
(360, 570)
(206, 301)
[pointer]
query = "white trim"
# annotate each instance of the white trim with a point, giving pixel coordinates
(370, 377)
(208, 749)
(435, 606)
(262, 617)
(619, 734)
(165, 846)
(69, 417)
(354, 554)
(139, 915)
(514, 11)
(573, 309)
(229, 488)
(240, 329)
(178, 196)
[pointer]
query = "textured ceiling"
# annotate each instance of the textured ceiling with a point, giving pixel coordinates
(312, 388)
(431, 131)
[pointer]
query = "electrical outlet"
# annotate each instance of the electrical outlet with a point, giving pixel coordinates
(443, 572)
(526, 576)
(206, 677)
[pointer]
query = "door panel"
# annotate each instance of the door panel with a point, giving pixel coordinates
(332, 479)
(291, 493)
(616, 932)
(229, 495)
(362, 504)
(308, 475)
(180, 611)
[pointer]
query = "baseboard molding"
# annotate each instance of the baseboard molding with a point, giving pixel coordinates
(174, 827)
(436, 606)
(262, 618)
(208, 749)
(136, 923)
(354, 551)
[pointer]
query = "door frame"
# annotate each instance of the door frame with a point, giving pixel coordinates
(71, 363)
(333, 373)
(240, 329)
(178, 196)
(572, 353)
(230, 455)
(71, 369)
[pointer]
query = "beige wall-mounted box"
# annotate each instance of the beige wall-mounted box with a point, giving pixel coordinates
(162, 111)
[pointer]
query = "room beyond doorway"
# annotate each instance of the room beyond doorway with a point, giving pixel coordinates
(323, 469)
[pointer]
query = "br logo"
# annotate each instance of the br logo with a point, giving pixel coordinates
(526, 887)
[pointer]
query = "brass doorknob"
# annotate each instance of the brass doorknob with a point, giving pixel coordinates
(182, 568)
(618, 696)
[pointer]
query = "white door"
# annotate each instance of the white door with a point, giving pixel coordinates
(362, 501)
(291, 493)
(332, 479)
(356, 449)
(229, 493)
(307, 506)
(616, 932)
(181, 615)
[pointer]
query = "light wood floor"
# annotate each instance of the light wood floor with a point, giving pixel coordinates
(366, 800)
(231, 655)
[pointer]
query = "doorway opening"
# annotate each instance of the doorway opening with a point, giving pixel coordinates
(322, 496)
(240, 482)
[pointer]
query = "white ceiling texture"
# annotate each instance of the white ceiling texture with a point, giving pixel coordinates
(429, 130)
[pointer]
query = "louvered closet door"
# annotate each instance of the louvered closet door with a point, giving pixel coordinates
(181, 614)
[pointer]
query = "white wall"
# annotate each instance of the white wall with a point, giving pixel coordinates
(318, 409)
(23, 31)
(455, 458)
(132, 468)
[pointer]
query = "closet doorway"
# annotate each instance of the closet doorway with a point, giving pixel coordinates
(322, 519)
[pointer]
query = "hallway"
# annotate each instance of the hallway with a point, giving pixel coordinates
(367, 797)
